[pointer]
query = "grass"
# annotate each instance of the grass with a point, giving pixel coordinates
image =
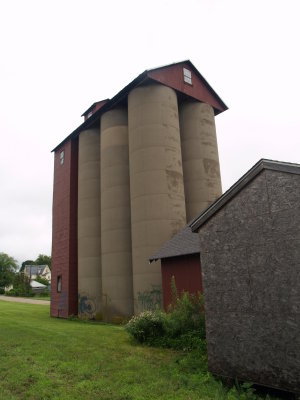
(48, 358)
(39, 297)
(36, 296)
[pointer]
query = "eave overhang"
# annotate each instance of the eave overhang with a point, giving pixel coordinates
(120, 97)
(261, 165)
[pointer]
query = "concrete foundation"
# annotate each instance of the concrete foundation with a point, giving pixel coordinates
(156, 184)
(89, 246)
(117, 294)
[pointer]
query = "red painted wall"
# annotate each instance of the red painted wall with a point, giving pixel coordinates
(173, 77)
(64, 231)
(96, 107)
(187, 272)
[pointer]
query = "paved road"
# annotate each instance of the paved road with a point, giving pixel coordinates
(25, 300)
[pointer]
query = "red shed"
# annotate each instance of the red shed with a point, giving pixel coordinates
(180, 257)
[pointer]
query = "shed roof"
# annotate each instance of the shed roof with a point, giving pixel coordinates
(184, 242)
(144, 77)
(35, 285)
(262, 164)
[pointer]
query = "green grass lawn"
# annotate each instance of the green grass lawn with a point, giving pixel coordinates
(38, 297)
(49, 358)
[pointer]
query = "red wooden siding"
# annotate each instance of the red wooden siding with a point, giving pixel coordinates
(173, 77)
(187, 272)
(96, 107)
(64, 231)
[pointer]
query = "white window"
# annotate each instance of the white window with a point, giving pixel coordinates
(90, 114)
(62, 157)
(187, 76)
(59, 283)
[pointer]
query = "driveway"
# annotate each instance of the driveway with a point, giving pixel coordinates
(25, 300)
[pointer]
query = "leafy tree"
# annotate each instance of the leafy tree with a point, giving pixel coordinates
(43, 260)
(8, 266)
(27, 262)
(22, 284)
(42, 280)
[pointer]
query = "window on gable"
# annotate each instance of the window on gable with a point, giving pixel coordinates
(62, 157)
(187, 76)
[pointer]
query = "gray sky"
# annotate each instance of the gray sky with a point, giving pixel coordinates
(58, 57)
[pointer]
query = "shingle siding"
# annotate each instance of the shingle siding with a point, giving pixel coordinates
(250, 257)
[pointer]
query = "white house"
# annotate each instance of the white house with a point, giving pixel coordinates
(32, 271)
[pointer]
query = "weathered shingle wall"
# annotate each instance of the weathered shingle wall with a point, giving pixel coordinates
(250, 256)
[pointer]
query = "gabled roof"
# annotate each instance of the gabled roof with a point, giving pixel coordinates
(166, 75)
(35, 269)
(171, 75)
(95, 106)
(184, 242)
(263, 164)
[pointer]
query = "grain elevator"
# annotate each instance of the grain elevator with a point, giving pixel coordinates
(139, 167)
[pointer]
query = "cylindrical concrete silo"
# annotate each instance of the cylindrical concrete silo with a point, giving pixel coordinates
(89, 229)
(200, 160)
(156, 184)
(117, 297)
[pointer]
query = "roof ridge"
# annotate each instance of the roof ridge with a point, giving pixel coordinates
(125, 90)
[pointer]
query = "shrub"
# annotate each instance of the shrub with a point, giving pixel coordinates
(186, 313)
(45, 294)
(22, 285)
(42, 280)
(147, 327)
(2, 290)
(12, 292)
(182, 327)
(19, 293)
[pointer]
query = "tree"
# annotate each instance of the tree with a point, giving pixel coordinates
(21, 284)
(41, 280)
(27, 262)
(43, 260)
(8, 266)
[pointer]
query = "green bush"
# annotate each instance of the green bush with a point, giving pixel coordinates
(18, 293)
(186, 313)
(45, 294)
(2, 290)
(42, 280)
(147, 327)
(182, 327)
(12, 292)
(21, 285)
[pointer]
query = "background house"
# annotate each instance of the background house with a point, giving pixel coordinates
(32, 271)
(180, 257)
(250, 258)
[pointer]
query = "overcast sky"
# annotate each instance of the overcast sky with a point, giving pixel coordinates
(58, 57)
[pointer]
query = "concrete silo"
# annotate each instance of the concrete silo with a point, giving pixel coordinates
(89, 228)
(156, 184)
(200, 160)
(158, 166)
(117, 297)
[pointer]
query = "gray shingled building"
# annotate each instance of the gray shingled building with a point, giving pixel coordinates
(250, 258)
